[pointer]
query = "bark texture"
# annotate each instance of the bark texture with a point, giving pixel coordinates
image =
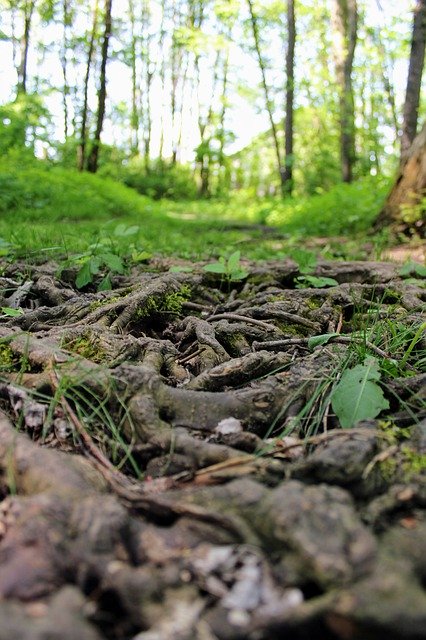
(289, 105)
(92, 161)
(414, 79)
(405, 206)
(345, 23)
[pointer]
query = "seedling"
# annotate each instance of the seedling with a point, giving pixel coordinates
(307, 262)
(106, 255)
(230, 268)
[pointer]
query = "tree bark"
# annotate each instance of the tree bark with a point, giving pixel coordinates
(345, 22)
(289, 103)
(414, 79)
(25, 43)
(64, 64)
(268, 101)
(81, 148)
(92, 161)
(409, 188)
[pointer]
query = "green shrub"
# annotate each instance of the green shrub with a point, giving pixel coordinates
(345, 209)
(37, 191)
(162, 181)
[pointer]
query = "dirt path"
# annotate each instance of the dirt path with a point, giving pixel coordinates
(171, 466)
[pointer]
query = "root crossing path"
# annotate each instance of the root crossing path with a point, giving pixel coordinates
(188, 457)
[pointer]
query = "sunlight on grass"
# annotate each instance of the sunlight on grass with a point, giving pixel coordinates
(54, 211)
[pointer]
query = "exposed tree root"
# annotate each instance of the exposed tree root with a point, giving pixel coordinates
(171, 466)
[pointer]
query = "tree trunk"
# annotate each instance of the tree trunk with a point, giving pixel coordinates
(92, 161)
(64, 64)
(81, 148)
(345, 21)
(268, 101)
(414, 80)
(25, 42)
(409, 189)
(288, 127)
(134, 117)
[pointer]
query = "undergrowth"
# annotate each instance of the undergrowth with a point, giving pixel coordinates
(48, 211)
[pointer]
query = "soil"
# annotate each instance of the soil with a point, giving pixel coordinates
(171, 466)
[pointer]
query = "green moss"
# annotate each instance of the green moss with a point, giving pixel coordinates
(314, 303)
(103, 303)
(86, 346)
(413, 462)
(170, 303)
(290, 329)
(7, 358)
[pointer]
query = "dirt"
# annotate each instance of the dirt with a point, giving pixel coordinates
(171, 466)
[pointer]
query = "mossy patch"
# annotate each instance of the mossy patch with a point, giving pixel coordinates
(8, 358)
(169, 303)
(85, 345)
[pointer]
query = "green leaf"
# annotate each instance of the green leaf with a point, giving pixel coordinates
(238, 274)
(122, 230)
(318, 282)
(358, 396)
(94, 264)
(234, 261)
(13, 313)
(113, 262)
(178, 269)
(316, 341)
(140, 256)
(84, 276)
(413, 268)
(215, 267)
(105, 284)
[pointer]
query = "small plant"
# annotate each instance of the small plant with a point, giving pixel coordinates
(317, 282)
(307, 262)
(107, 256)
(357, 396)
(92, 262)
(11, 313)
(230, 268)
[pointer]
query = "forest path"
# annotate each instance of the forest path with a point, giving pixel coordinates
(173, 462)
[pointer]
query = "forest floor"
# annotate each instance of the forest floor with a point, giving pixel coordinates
(196, 455)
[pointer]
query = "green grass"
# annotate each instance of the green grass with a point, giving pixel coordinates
(57, 212)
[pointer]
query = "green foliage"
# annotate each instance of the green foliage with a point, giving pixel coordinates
(12, 313)
(37, 191)
(358, 396)
(414, 214)
(345, 209)
(317, 282)
(22, 122)
(230, 268)
(160, 181)
(105, 255)
(307, 263)
(413, 269)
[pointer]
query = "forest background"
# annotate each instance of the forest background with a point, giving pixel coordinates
(267, 110)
